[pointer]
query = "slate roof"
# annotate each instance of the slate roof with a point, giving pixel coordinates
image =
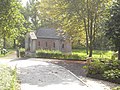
(47, 33)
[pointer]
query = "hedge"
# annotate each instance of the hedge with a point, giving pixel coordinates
(56, 55)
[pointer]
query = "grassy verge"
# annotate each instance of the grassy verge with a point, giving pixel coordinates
(104, 54)
(8, 80)
(76, 54)
(9, 52)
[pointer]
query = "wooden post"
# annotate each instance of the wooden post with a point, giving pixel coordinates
(89, 59)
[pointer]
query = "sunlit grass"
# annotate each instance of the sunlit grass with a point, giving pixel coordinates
(9, 52)
(105, 54)
(79, 54)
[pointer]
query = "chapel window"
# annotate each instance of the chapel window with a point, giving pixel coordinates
(54, 44)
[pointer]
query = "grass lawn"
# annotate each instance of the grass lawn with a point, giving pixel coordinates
(105, 54)
(9, 52)
(79, 54)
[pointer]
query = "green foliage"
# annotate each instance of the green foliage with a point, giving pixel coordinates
(108, 70)
(48, 54)
(9, 51)
(56, 55)
(11, 20)
(81, 19)
(97, 54)
(32, 15)
(112, 70)
(8, 80)
(113, 29)
(112, 74)
(113, 23)
(22, 52)
(96, 67)
(113, 65)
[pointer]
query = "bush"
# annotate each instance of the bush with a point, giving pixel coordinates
(22, 52)
(72, 56)
(8, 80)
(48, 54)
(4, 51)
(56, 55)
(113, 64)
(107, 70)
(96, 67)
(112, 74)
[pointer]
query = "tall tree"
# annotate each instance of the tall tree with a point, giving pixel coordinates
(31, 14)
(11, 19)
(74, 16)
(113, 26)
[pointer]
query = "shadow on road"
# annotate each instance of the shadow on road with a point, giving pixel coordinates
(43, 74)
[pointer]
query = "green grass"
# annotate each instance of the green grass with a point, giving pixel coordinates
(8, 80)
(104, 54)
(75, 55)
(9, 52)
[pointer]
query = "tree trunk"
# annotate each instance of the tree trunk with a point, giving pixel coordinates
(119, 53)
(14, 44)
(88, 25)
(86, 36)
(4, 42)
(87, 43)
(91, 37)
(91, 49)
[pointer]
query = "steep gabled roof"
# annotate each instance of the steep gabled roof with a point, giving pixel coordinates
(47, 33)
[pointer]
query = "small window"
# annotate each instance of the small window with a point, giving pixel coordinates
(54, 45)
(62, 45)
(46, 44)
(39, 43)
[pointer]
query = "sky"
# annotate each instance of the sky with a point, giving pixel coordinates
(24, 2)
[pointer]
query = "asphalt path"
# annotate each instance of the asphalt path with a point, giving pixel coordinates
(38, 75)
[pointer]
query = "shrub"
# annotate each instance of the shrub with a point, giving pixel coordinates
(72, 56)
(48, 54)
(95, 67)
(112, 74)
(22, 52)
(8, 80)
(113, 64)
(4, 51)
(56, 55)
(107, 70)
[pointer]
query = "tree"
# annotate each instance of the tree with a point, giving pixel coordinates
(113, 26)
(77, 16)
(11, 19)
(31, 14)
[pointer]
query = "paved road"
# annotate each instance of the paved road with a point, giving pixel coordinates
(39, 75)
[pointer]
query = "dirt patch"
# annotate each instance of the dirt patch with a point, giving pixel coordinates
(75, 67)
